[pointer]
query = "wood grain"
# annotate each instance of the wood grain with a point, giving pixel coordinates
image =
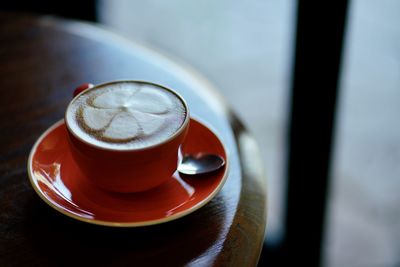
(41, 60)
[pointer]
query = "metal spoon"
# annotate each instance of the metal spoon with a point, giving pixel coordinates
(193, 164)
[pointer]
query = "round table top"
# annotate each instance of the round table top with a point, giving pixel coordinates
(42, 59)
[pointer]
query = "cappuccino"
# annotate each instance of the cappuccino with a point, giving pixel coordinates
(126, 115)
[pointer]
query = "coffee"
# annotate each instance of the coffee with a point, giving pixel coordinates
(126, 115)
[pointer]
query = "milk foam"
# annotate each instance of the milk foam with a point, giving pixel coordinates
(126, 115)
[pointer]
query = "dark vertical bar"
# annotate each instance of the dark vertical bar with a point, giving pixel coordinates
(320, 31)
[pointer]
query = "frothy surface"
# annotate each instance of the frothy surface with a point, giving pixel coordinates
(126, 115)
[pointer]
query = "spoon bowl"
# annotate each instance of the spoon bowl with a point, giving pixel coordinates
(200, 163)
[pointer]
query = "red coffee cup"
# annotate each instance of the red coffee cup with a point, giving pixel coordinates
(130, 170)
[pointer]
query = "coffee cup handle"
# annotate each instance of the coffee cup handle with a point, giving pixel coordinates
(82, 88)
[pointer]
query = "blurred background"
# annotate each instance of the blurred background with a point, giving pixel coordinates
(246, 49)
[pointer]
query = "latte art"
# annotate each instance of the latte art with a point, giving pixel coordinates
(120, 116)
(126, 115)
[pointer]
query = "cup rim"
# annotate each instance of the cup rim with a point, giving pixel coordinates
(173, 136)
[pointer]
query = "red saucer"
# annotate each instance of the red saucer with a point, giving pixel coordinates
(58, 181)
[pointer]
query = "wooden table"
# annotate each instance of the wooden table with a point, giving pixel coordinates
(41, 60)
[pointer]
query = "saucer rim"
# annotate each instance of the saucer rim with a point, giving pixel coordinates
(178, 215)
